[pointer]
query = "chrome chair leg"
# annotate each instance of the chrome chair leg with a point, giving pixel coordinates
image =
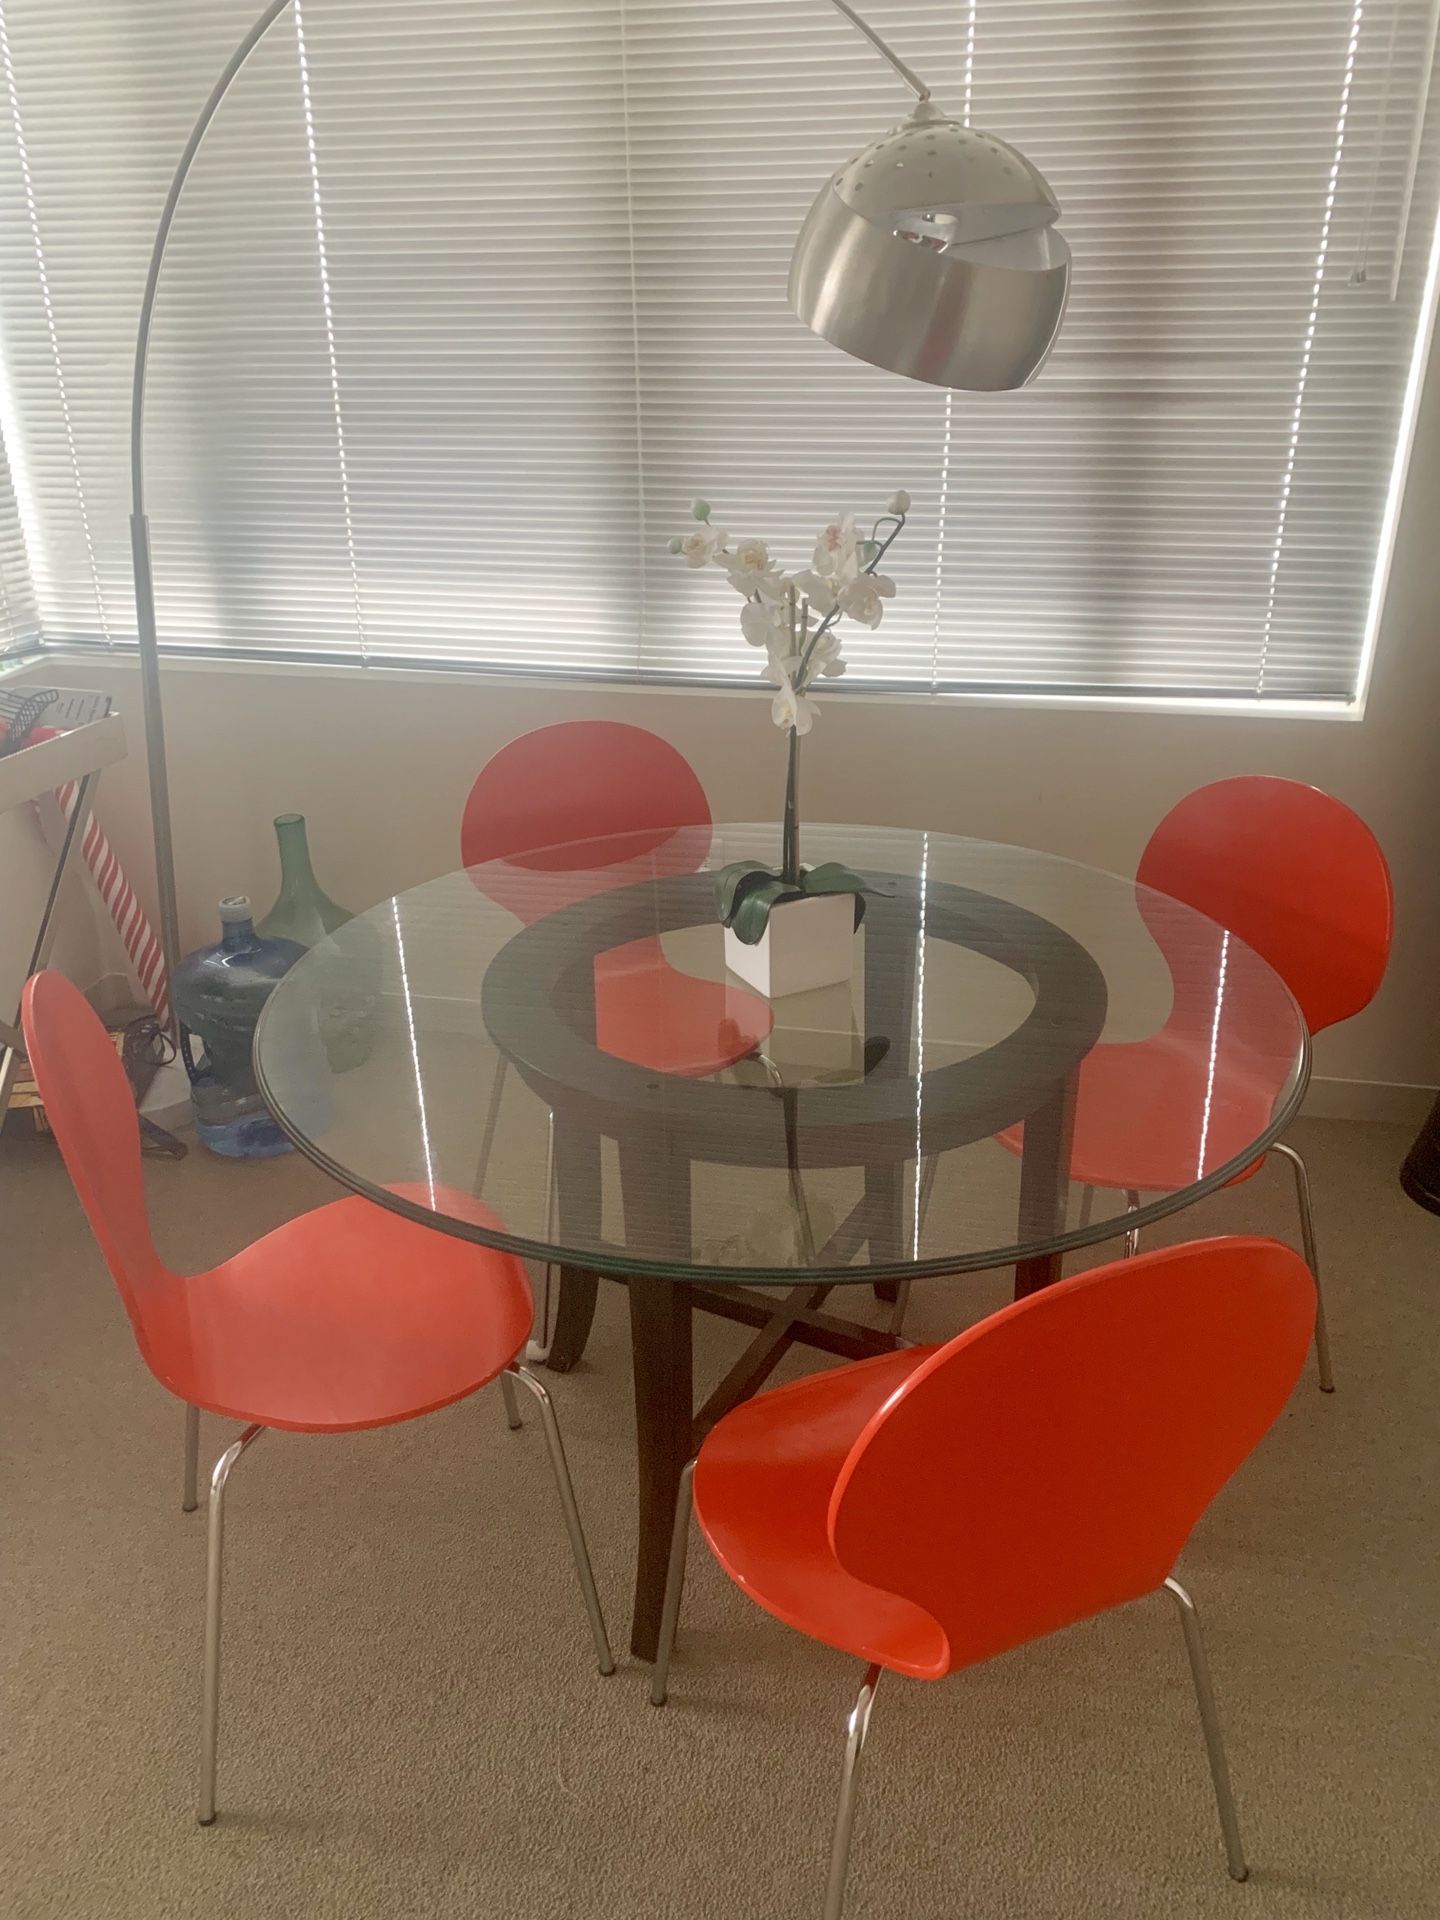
(564, 1488)
(1312, 1260)
(512, 1403)
(1132, 1238)
(856, 1729)
(191, 1497)
(1210, 1722)
(929, 1172)
(540, 1349)
(492, 1120)
(674, 1585)
(214, 1570)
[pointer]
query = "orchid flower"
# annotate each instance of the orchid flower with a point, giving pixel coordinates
(835, 548)
(819, 591)
(701, 546)
(861, 599)
(790, 709)
(763, 623)
(781, 663)
(793, 616)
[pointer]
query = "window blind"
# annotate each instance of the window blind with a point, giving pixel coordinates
(465, 300)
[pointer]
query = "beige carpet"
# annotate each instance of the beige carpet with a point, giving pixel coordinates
(413, 1726)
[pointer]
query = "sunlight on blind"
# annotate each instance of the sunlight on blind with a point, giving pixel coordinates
(464, 302)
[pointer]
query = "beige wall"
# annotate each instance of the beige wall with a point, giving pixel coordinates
(381, 767)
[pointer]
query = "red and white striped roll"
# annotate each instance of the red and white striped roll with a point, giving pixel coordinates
(125, 910)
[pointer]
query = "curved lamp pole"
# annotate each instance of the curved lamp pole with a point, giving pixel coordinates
(140, 525)
(845, 260)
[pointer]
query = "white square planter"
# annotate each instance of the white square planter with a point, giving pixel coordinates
(821, 1032)
(807, 944)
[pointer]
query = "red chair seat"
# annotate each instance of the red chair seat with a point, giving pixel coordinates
(1146, 1117)
(349, 1317)
(650, 1014)
(763, 1487)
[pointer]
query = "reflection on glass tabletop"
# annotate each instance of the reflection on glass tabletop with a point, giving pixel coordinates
(455, 1053)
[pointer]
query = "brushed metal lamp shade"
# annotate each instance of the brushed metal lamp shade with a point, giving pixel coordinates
(933, 254)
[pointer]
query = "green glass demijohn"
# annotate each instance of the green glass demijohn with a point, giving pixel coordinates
(306, 914)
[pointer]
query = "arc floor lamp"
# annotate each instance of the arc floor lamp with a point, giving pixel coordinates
(933, 254)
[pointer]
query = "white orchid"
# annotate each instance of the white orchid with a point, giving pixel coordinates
(790, 709)
(752, 570)
(793, 616)
(825, 648)
(817, 590)
(825, 657)
(762, 586)
(751, 557)
(862, 598)
(835, 549)
(780, 665)
(763, 623)
(701, 546)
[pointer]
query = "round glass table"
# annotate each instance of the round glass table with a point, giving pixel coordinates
(1020, 1034)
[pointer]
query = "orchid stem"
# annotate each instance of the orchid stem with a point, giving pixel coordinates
(790, 844)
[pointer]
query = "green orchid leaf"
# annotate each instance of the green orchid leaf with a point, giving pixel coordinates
(752, 912)
(832, 877)
(730, 881)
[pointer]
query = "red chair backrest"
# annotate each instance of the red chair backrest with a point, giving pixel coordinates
(579, 781)
(584, 797)
(91, 1110)
(1295, 873)
(1051, 1461)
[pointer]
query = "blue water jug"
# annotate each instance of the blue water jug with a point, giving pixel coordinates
(219, 993)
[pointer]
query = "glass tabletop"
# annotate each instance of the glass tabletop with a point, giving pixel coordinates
(1028, 1049)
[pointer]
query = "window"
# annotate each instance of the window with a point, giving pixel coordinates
(19, 626)
(465, 301)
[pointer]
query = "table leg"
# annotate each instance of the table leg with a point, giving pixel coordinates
(655, 1188)
(1045, 1186)
(577, 1192)
(574, 1317)
(660, 1327)
(885, 1209)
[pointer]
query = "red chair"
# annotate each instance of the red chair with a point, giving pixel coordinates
(1299, 878)
(348, 1318)
(579, 808)
(933, 1508)
(569, 808)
